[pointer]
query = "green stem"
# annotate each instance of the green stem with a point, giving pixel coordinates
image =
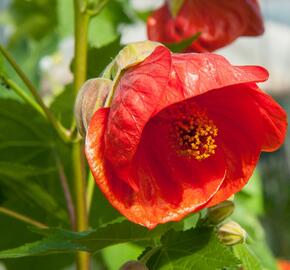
(20, 92)
(149, 254)
(80, 72)
(90, 191)
(23, 218)
(66, 191)
(50, 117)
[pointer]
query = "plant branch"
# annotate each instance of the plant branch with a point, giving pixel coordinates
(50, 117)
(80, 73)
(144, 259)
(23, 218)
(66, 191)
(20, 92)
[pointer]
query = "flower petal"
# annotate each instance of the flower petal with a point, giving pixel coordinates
(274, 120)
(150, 205)
(136, 99)
(241, 131)
(203, 72)
(220, 23)
(173, 185)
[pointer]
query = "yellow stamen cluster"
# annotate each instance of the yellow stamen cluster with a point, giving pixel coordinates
(195, 135)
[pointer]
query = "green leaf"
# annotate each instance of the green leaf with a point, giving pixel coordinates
(37, 18)
(62, 106)
(99, 58)
(192, 249)
(59, 240)
(103, 28)
(181, 46)
(14, 176)
(121, 254)
(248, 259)
(251, 197)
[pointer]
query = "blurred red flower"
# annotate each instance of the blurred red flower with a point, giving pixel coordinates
(184, 132)
(283, 265)
(220, 23)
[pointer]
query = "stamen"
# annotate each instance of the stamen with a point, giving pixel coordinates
(193, 134)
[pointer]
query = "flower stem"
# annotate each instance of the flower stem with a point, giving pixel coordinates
(23, 218)
(20, 92)
(90, 191)
(66, 191)
(80, 72)
(50, 117)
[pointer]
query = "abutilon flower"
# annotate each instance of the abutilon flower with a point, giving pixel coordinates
(183, 132)
(283, 265)
(219, 22)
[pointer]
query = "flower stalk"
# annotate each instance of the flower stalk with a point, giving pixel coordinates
(22, 218)
(80, 71)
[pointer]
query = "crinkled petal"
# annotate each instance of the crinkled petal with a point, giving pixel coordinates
(134, 103)
(204, 72)
(241, 131)
(161, 80)
(171, 185)
(274, 119)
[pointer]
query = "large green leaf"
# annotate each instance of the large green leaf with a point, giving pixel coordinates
(59, 240)
(37, 18)
(248, 259)
(99, 58)
(192, 249)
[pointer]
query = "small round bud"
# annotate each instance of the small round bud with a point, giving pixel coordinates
(231, 233)
(220, 212)
(133, 265)
(90, 98)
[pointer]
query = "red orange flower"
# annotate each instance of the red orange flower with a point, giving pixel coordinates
(184, 132)
(283, 265)
(220, 23)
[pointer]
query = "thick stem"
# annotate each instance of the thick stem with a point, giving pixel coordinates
(80, 72)
(23, 218)
(50, 117)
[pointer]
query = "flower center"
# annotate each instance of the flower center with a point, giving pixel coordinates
(194, 135)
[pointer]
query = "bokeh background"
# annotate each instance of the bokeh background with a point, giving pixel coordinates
(39, 35)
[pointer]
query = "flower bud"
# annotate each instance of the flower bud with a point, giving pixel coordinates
(90, 98)
(133, 265)
(231, 233)
(220, 212)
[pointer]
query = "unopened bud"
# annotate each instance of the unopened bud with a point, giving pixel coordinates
(133, 265)
(220, 212)
(231, 233)
(90, 98)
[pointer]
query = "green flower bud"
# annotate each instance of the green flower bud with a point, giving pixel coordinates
(133, 265)
(220, 212)
(90, 98)
(231, 233)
